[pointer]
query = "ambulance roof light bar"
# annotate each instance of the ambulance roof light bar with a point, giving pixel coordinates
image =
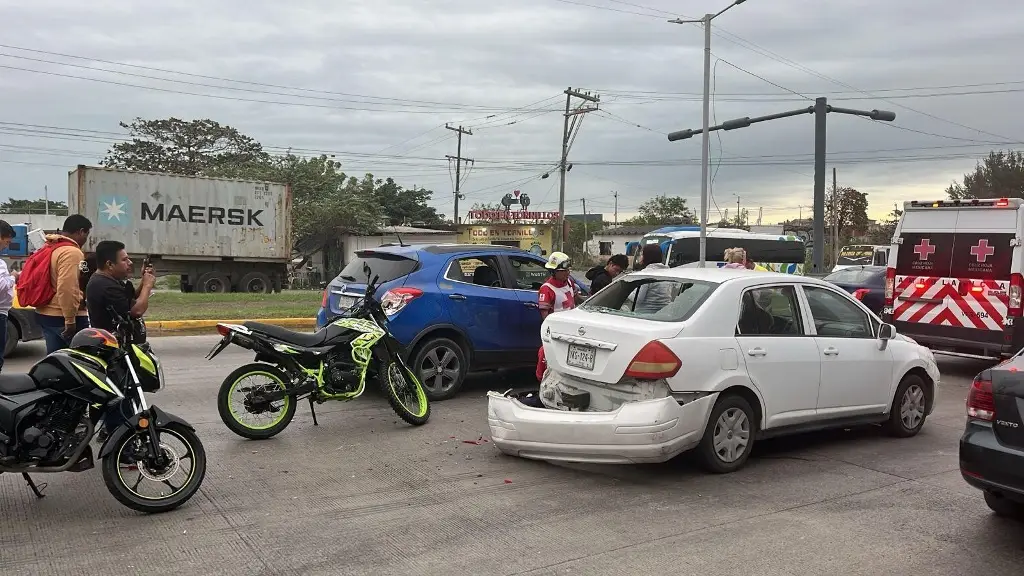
(972, 203)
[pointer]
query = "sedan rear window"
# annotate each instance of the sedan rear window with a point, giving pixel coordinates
(660, 299)
(856, 275)
(387, 266)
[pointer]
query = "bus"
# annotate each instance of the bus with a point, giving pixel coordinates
(680, 246)
(862, 255)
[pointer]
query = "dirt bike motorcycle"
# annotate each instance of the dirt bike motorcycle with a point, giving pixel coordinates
(49, 417)
(331, 364)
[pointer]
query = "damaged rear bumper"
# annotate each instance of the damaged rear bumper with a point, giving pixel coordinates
(644, 431)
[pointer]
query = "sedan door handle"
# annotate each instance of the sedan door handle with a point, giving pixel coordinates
(756, 352)
(831, 351)
(456, 297)
(530, 304)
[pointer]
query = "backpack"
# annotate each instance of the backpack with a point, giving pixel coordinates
(33, 285)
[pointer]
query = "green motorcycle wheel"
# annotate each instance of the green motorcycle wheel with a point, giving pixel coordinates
(405, 393)
(269, 418)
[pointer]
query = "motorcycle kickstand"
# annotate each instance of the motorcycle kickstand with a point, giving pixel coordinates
(312, 411)
(37, 490)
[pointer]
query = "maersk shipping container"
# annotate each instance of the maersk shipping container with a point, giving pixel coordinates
(220, 234)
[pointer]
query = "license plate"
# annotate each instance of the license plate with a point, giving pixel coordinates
(581, 356)
(345, 302)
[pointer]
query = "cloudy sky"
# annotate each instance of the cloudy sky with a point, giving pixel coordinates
(375, 82)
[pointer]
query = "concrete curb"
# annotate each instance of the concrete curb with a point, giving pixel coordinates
(158, 326)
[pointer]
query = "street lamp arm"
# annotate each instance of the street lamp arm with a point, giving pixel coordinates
(737, 123)
(883, 115)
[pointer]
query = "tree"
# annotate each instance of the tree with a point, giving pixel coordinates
(882, 234)
(846, 215)
(18, 206)
(192, 148)
(406, 205)
(1000, 175)
(663, 210)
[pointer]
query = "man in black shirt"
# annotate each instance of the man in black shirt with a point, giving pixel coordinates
(109, 287)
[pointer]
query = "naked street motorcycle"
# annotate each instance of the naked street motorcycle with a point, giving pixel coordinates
(258, 400)
(49, 417)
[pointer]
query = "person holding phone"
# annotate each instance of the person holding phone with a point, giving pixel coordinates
(110, 289)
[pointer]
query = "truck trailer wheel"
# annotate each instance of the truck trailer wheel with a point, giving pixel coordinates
(213, 283)
(255, 283)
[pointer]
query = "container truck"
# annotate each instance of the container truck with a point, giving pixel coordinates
(219, 234)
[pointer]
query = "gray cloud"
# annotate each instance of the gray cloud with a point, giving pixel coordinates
(485, 61)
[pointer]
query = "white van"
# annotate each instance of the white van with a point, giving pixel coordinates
(861, 255)
(954, 276)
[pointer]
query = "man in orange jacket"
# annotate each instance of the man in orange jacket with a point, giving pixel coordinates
(65, 314)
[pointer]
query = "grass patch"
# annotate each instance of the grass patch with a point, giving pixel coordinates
(172, 305)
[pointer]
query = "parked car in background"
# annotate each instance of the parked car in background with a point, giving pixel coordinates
(866, 283)
(992, 446)
(455, 307)
(733, 357)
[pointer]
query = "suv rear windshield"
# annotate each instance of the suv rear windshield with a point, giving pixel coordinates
(387, 266)
(660, 299)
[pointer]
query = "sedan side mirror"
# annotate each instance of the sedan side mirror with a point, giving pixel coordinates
(886, 332)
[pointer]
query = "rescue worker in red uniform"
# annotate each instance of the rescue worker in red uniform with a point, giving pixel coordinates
(559, 293)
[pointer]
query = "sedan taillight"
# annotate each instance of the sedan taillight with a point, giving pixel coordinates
(654, 361)
(981, 405)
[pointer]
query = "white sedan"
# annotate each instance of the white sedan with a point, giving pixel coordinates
(670, 360)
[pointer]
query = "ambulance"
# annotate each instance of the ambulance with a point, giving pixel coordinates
(953, 281)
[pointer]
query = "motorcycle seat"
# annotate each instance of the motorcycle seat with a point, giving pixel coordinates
(16, 383)
(302, 339)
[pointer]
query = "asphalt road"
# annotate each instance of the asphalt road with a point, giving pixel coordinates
(364, 493)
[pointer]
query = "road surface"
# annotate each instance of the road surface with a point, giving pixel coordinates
(364, 493)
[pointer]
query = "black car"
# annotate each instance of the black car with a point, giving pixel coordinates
(992, 447)
(866, 283)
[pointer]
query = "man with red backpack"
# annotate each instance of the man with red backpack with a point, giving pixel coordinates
(49, 282)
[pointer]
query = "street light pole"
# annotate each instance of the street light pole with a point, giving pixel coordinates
(705, 153)
(820, 109)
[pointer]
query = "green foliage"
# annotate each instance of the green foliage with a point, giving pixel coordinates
(192, 148)
(1000, 175)
(663, 210)
(325, 202)
(406, 205)
(17, 206)
(882, 234)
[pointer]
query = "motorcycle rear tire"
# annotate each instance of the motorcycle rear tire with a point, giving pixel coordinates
(224, 402)
(422, 414)
(119, 489)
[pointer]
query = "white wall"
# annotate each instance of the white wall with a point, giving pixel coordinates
(618, 242)
(354, 243)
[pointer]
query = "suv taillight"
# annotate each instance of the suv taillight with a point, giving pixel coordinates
(980, 403)
(860, 293)
(396, 299)
(654, 361)
(323, 301)
(890, 285)
(1014, 305)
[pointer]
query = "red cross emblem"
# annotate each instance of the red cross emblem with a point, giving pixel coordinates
(982, 251)
(924, 250)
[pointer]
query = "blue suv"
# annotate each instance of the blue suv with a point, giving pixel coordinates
(454, 307)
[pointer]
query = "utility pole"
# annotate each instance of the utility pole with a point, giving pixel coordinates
(568, 136)
(836, 220)
(616, 195)
(586, 235)
(738, 213)
(458, 165)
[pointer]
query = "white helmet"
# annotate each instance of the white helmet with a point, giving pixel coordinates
(558, 261)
